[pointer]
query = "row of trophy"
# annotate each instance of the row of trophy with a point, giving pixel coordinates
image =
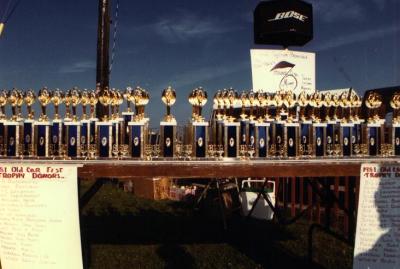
(244, 125)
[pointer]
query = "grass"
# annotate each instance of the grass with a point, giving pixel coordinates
(120, 230)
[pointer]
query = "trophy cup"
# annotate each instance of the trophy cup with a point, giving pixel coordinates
(375, 128)
(29, 98)
(198, 127)
(42, 127)
(168, 125)
(395, 104)
(93, 99)
(3, 103)
(104, 128)
(57, 129)
(85, 122)
(73, 128)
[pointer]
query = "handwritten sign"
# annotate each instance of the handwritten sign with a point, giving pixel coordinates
(378, 221)
(39, 217)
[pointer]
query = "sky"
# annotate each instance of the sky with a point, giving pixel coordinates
(187, 44)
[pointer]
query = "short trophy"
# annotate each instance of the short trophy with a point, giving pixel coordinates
(85, 122)
(375, 128)
(198, 128)
(138, 126)
(73, 127)
(42, 126)
(168, 125)
(57, 128)
(395, 104)
(104, 127)
(13, 127)
(29, 99)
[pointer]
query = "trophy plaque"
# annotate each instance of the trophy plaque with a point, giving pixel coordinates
(356, 136)
(42, 138)
(305, 136)
(231, 139)
(198, 128)
(319, 134)
(13, 132)
(262, 139)
(252, 133)
(136, 141)
(28, 136)
(278, 139)
(346, 138)
(168, 125)
(104, 142)
(292, 134)
(374, 134)
(127, 117)
(73, 139)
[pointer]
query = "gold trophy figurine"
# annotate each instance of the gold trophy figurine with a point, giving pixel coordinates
(373, 103)
(136, 99)
(201, 98)
(252, 99)
(262, 104)
(127, 96)
(357, 105)
(335, 105)
(232, 97)
(105, 100)
(226, 103)
(12, 99)
(395, 104)
(328, 103)
(93, 99)
(245, 102)
(344, 103)
(75, 96)
(169, 97)
(290, 103)
(302, 101)
(3, 103)
(143, 102)
(20, 102)
(57, 97)
(192, 100)
(67, 102)
(119, 99)
(44, 99)
(30, 98)
(85, 100)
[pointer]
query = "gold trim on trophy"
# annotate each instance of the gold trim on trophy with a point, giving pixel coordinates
(93, 100)
(168, 97)
(105, 100)
(12, 99)
(85, 100)
(127, 96)
(57, 98)
(373, 103)
(395, 104)
(30, 98)
(44, 98)
(75, 96)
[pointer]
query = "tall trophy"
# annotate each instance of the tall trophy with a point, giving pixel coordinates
(116, 120)
(128, 114)
(73, 127)
(13, 127)
(356, 132)
(85, 121)
(198, 128)
(57, 128)
(306, 129)
(93, 99)
(217, 127)
(262, 127)
(395, 104)
(3, 119)
(253, 100)
(346, 126)
(168, 125)
(42, 127)
(291, 125)
(29, 99)
(104, 127)
(244, 121)
(375, 128)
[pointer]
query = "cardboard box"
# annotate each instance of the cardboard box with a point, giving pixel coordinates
(152, 188)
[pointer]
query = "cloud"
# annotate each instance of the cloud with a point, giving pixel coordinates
(78, 67)
(339, 41)
(332, 11)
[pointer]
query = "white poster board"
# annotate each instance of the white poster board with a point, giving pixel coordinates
(39, 217)
(274, 70)
(378, 220)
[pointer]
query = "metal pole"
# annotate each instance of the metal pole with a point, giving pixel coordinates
(103, 44)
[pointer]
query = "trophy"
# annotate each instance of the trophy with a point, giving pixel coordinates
(13, 127)
(261, 127)
(42, 127)
(356, 132)
(395, 104)
(20, 102)
(128, 114)
(57, 129)
(375, 127)
(85, 122)
(291, 128)
(29, 98)
(93, 99)
(104, 128)
(138, 127)
(73, 128)
(168, 125)
(117, 122)
(218, 123)
(3, 103)
(13, 98)
(143, 102)
(67, 103)
(198, 128)
(319, 129)
(305, 124)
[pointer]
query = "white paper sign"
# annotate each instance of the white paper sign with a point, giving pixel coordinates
(378, 220)
(274, 70)
(39, 217)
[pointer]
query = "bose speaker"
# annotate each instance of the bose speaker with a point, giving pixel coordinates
(283, 22)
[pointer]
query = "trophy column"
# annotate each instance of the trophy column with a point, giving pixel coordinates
(319, 134)
(85, 132)
(346, 138)
(167, 138)
(57, 134)
(136, 140)
(13, 132)
(252, 133)
(292, 138)
(231, 139)
(127, 118)
(278, 138)
(199, 139)
(262, 138)
(396, 138)
(356, 137)
(305, 136)
(28, 136)
(42, 138)
(2, 138)
(73, 138)
(244, 131)
(374, 134)
(104, 135)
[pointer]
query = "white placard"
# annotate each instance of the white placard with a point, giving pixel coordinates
(39, 217)
(274, 70)
(378, 220)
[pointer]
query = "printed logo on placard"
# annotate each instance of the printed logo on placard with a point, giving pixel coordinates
(83, 139)
(397, 141)
(251, 140)
(304, 139)
(136, 141)
(91, 138)
(41, 141)
(353, 139)
(27, 138)
(11, 141)
(104, 141)
(336, 138)
(72, 141)
(319, 141)
(55, 139)
(244, 138)
(345, 141)
(262, 143)
(278, 139)
(372, 141)
(329, 139)
(231, 142)
(168, 142)
(291, 142)
(200, 142)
